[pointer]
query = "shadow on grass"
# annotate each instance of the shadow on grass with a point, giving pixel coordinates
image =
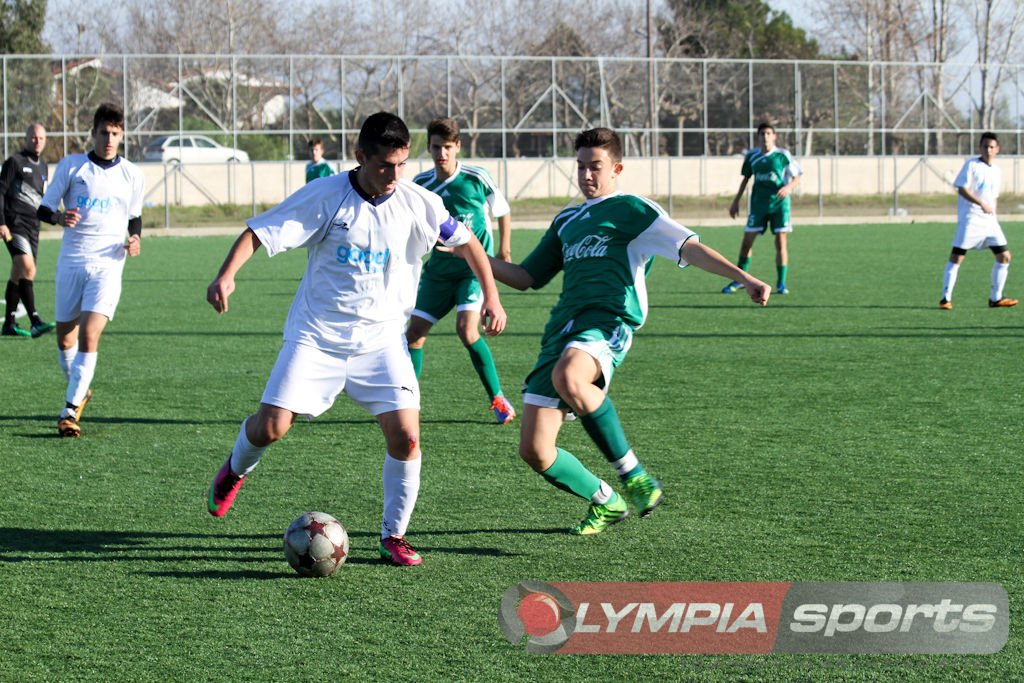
(21, 544)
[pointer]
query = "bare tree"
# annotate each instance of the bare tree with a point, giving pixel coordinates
(998, 25)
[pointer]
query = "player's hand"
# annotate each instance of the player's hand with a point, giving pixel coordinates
(134, 245)
(5, 233)
(734, 209)
(70, 218)
(505, 255)
(492, 317)
(986, 208)
(783, 192)
(218, 292)
(758, 291)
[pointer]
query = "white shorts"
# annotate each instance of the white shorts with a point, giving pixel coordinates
(983, 232)
(307, 380)
(87, 287)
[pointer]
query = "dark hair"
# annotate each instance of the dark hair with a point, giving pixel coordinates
(108, 112)
(988, 135)
(600, 137)
(313, 142)
(447, 128)
(765, 126)
(382, 130)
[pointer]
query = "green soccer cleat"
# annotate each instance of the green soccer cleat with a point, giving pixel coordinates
(644, 492)
(13, 330)
(41, 329)
(601, 516)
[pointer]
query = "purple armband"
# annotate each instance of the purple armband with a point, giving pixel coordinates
(448, 228)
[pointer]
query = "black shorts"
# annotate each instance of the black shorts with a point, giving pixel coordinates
(23, 242)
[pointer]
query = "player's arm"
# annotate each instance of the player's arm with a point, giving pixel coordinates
(505, 238)
(734, 208)
(224, 284)
(68, 218)
(704, 257)
(134, 244)
(974, 199)
(786, 189)
(492, 315)
(6, 175)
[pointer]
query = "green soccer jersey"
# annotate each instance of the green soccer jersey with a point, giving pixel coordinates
(318, 170)
(604, 248)
(770, 172)
(472, 197)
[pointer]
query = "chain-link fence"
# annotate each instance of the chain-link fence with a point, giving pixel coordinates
(266, 108)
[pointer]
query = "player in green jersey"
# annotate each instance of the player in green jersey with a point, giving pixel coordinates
(776, 174)
(317, 167)
(604, 248)
(470, 195)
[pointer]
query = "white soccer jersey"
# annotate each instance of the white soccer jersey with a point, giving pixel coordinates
(106, 199)
(365, 257)
(983, 181)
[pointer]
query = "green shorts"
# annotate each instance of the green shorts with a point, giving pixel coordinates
(778, 217)
(608, 343)
(436, 297)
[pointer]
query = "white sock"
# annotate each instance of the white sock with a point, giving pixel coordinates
(80, 377)
(603, 494)
(401, 480)
(626, 463)
(66, 357)
(245, 456)
(949, 280)
(999, 273)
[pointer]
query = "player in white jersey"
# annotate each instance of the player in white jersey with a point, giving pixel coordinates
(102, 197)
(366, 232)
(603, 248)
(977, 227)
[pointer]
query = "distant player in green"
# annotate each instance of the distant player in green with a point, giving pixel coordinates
(604, 248)
(471, 196)
(317, 167)
(776, 174)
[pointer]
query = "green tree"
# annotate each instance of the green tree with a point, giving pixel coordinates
(729, 29)
(21, 26)
(28, 79)
(736, 29)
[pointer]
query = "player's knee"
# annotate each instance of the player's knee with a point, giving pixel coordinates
(404, 444)
(467, 335)
(566, 380)
(530, 455)
(264, 429)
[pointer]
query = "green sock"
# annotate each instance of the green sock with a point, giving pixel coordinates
(483, 362)
(569, 474)
(417, 360)
(604, 428)
(781, 270)
(743, 263)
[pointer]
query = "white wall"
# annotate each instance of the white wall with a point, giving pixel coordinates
(270, 182)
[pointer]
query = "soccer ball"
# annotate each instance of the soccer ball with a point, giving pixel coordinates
(316, 544)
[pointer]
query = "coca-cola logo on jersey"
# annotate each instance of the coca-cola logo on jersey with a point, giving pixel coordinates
(591, 246)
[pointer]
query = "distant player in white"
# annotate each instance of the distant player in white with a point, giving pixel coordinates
(366, 232)
(977, 226)
(102, 196)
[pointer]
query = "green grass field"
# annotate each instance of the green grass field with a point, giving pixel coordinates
(848, 432)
